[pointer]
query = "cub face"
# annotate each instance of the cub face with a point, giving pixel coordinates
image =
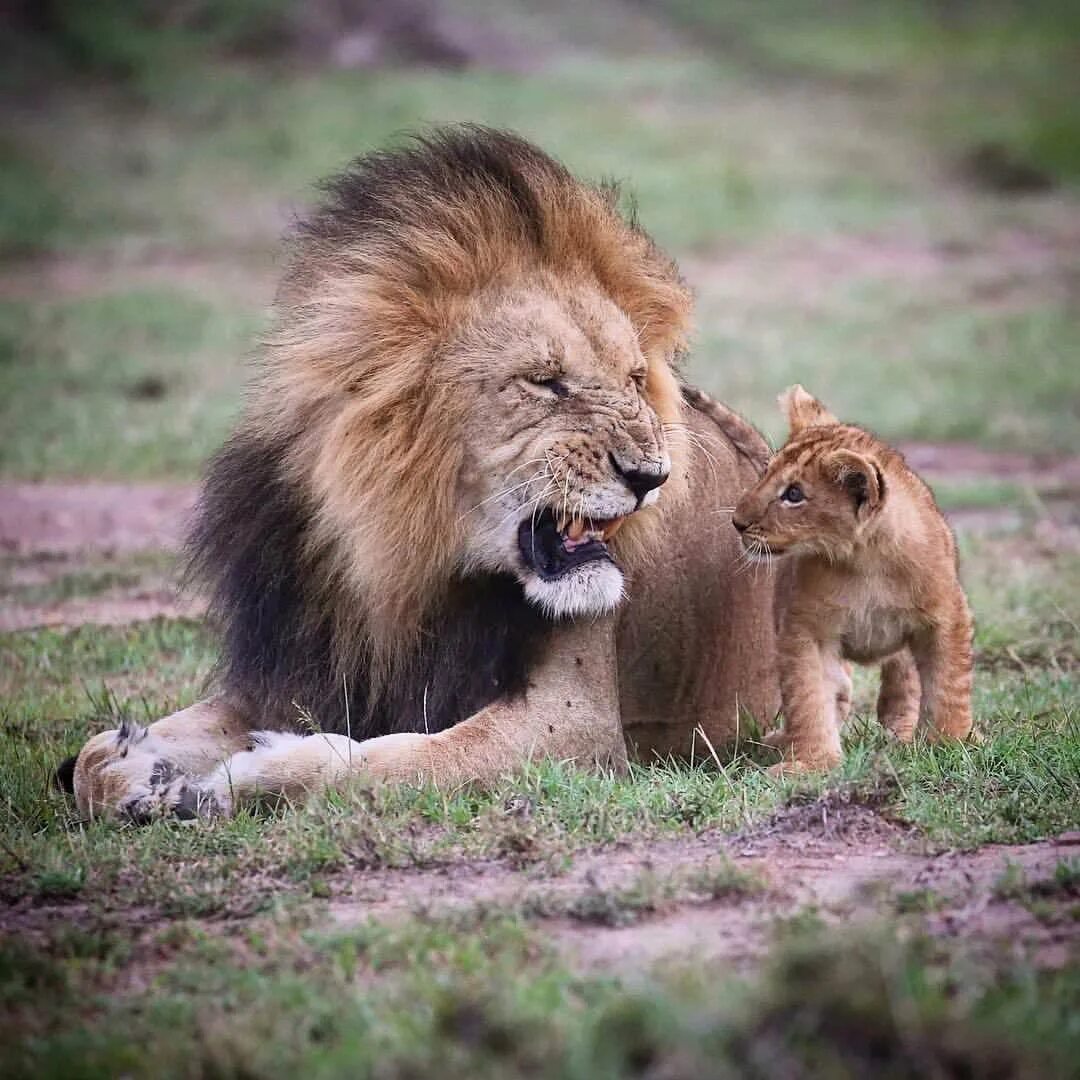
(818, 494)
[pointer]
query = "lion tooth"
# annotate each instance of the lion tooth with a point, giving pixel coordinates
(576, 530)
(560, 525)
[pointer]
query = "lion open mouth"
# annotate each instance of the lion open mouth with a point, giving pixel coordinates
(552, 546)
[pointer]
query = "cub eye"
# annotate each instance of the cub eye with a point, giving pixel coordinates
(792, 495)
(552, 383)
(638, 378)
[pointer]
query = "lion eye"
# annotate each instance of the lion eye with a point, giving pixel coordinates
(638, 379)
(792, 495)
(552, 383)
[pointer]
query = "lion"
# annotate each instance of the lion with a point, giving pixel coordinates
(464, 522)
(875, 579)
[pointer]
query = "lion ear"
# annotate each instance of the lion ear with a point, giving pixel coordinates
(803, 410)
(861, 477)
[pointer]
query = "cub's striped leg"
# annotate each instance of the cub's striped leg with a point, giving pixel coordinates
(944, 659)
(899, 695)
(138, 773)
(838, 673)
(810, 737)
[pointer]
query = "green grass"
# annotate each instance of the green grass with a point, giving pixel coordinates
(889, 356)
(448, 996)
(131, 384)
(997, 72)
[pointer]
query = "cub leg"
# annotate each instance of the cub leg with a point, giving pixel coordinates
(898, 698)
(810, 738)
(839, 674)
(944, 659)
(137, 772)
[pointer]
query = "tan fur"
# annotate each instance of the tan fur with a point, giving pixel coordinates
(875, 579)
(743, 438)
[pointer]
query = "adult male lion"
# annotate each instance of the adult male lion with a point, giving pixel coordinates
(440, 526)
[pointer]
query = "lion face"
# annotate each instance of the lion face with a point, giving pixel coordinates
(470, 373)
(563, 444)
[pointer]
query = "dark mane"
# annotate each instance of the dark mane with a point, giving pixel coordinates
(248, 546)
(386, 189)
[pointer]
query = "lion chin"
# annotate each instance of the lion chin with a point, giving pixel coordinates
(595, 588)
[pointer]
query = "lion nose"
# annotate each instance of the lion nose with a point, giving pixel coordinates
(639, 481)
(740, 525)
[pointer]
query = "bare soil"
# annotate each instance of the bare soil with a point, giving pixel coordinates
(846, 863)
(51, 519)
(1006, 270)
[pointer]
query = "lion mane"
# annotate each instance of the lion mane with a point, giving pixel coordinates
(327, 528)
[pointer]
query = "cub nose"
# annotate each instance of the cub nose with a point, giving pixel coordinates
(740, 525)
(639, 481)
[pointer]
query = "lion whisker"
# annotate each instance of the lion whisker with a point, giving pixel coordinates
(500, 494)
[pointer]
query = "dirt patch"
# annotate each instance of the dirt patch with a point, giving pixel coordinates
(243, 276)
(49, 519)
(714, 897)
(843, 863)
(102, 611)
(957, 461)
(76, 554)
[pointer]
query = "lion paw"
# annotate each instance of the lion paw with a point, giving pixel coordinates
(169, 793)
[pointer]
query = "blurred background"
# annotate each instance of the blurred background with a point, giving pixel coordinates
(879, 199)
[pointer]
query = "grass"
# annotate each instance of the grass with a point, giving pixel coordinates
(34, 580)
(427, 995)
(127, 384)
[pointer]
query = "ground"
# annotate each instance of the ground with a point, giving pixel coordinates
(880, 202)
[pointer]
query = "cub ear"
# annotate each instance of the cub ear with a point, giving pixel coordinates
(860, 477)
(803, 410)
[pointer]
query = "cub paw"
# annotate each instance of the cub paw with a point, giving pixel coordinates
(899, 726)
(796, 759)
(799, 766)
(777, 739)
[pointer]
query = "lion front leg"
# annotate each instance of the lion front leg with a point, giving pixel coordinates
(138, 773)
(569, 712)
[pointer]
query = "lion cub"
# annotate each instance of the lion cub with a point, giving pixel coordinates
(875, 579)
